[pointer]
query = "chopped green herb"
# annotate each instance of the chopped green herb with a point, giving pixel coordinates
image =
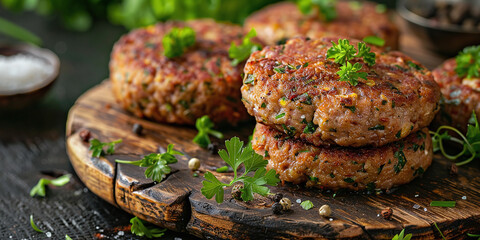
(313, 179)
(290, 131)
(204, 126)
(474, 235)
(39, 189)
(380, 169)
(374, 40)
(377, 127)
(384, 102)
(310, 128)
(399, 134)
(177, 40)
(307, 99)
(414, 65)
(264, 105)
(307, 204)
(402, 237)
(332, 130)
(393, 104)
(381, 8)
(351, 108)
(279, 69)
(468, 62)
(349, 180)
(234, 156)
(402, 160)
(156, 163)
(305, 65)
(34, 226)
(443, 203)
(326, 8)
(223, 169)
(195, 174)
(249, 79)
(138, 228)
(332, 175)
(280, 115)
(371, 186)
(67, 237)
(241, 52)
(419, 171)
(266, 154)
(97, 147)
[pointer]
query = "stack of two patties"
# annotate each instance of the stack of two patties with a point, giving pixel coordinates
(317, 130)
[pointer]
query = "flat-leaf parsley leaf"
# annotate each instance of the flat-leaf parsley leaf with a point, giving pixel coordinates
(326, 7)
(401, 236)
(156, 163)
(138, 228)
(97, 147)
(468, 62)
(243, 51)
(234, 156)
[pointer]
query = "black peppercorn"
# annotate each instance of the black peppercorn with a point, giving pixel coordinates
(277, 208)
(137, 129)
(213, 148)
(277, 197)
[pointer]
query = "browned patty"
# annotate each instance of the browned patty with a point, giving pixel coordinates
(339, 167)
(179, 90)
(462, 96)
(284, 21)
(309, 102)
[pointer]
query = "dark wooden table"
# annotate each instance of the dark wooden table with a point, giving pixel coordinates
(32, 141)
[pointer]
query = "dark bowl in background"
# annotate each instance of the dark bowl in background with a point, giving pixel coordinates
(10, 100)
(447, 40)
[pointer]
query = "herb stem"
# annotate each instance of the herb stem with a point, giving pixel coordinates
(441, 234)
(442, 204)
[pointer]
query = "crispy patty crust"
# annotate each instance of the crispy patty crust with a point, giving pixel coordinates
(179, 90)
(284, 20)
(294, 88)
(339, 167)
(461, 96)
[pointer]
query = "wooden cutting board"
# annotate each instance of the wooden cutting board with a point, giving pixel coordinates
(177, 204)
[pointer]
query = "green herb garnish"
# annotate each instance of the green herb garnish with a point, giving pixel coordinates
(34, 226)
(177, 40)
(326, 8)
(377, 127)
(222, 169)
(343, 52)
(441, 234)
(243, 51)
(39, 189)
(15, 31)
(67, 237)
(307, 204)
(97, 147)
(470, 141)
(401, 237)
(138, 228)
(374, 40)
(156, 163)
(349, 180)
(280, 115)
(443, 203)
(468, 62)
(474, 235)
(204, 126)
(234, 156)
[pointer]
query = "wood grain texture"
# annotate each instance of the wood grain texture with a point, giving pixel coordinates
(176, 203)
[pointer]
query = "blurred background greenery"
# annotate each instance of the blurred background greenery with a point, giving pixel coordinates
(79, 15)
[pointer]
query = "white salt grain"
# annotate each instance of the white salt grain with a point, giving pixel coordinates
(464, 198)
(121, 233)
(331, 219)
(416, 195)
(21, 73)
(416, 206)
(299, 200)
(425, 209)
(48, 234)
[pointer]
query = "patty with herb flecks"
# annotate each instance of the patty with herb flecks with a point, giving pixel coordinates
(340, 167)
(460, 86)
(181, 89)
(284, 20)
(296, 89)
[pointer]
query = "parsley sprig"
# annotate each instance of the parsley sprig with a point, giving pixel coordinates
(204, 126)
(234, 156)
(138, 228)
(468, 62)
(243, 51)
(343, 52)
(97, 147)
(470, 141)
(177, 40)
(156, 163)
(34, 226)
(327, 8)
(401, 236)
(39, 189)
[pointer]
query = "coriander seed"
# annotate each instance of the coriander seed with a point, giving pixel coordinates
(286, 203)
(325, 211)
(194, 164)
